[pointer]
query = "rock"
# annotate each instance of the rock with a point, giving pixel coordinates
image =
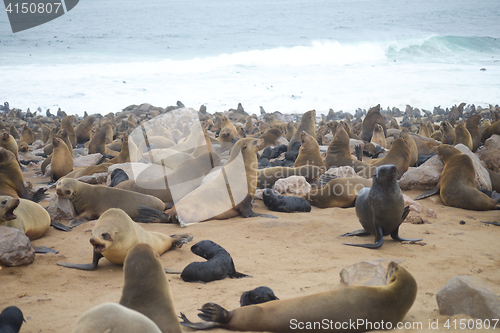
(88, 160)
(61, 208)
(96, 178)
(29, 156)
(342, 172)
(414, 218)
(490, 151)
(431, 213)
(77, 152)
(353, 143)
(281, 141)
(48, 172)
(366, 273)
(37, 145)
(258, 193)
(425, 177)
(482, 176)
(15, 248)
(414, 206)
(293, 185)
(468, 295)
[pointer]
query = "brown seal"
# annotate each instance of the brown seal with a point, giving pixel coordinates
(425, 146)
(338, 192)
(84, 129)
(27, 135)
(98, 142)
(124, 155)
(228, 195)
(338, 152)
(399, 155)
(149, 293)
(449, 135)
(91, 201)
(22, 147)
(112, 317)
(8, 142)
(412, 145)
(25, 215)
(490, 130)
(61, 161)
(360, 304)
(308, 124)
(290, 130)
(115, 234)
(457, 186)
(472, 125)
(372, 118)
(11, 176)
(463, 136)
(309, 152)
(227, 138)
(13, 131)
(190, 173)
(378, 136)
(66, 123)
(270, 137)
(88, 171)
(268, 176)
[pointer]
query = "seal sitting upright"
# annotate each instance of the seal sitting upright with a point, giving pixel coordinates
(381, 208)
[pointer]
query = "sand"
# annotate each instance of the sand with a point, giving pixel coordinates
(295, 255)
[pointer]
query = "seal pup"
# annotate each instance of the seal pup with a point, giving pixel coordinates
(112, 317)
(91, 201)
(11, 319)
(286, 204)
(307, 124)
(218, 266)
(228, 195)
(25, 215)
(381, 208)
(118, 176)
(388, 304)
(338, 192)
(309, 152)
(257, 296)
(372, 118)
(115, 234)
(146, 288)
(456, 185)
(11, 176)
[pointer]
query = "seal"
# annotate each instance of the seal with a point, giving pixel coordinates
(83, 129)
(270, 137)
(115, 234)
(372, 118)
(88, 171)
(11, 176)
(268, 176)
(363, 304)
(378, 136)
(98, 142)
(91, 201)
(405, 135)
(25, 215)
(8, 142)
(399, 155)
(490, 130)
(286, 204)
(456, 186)
(307, 124)
(185, 178)
(23, 147)
(472, 125)
(449, 135)
(112, 317)
(149, 293)
(67, 124)
(218, 266)
(227, 138)
(27, 135)
(123, 156)
(61, 161)
(309, 152)
(118, 176)
(213, 200)
(338, 152)
(381, 209)
(257, 296)
(463, 136)
(338, 192)
(11, 319)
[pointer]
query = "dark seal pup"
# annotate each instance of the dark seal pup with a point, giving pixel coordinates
(257, 296)
(280, 203)
(219, 264)
(11, 320)
(380, 209)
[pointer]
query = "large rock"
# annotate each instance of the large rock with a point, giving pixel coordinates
(88, 160)
(366, 273)
(293, 185)
(96, 178)
(490, 152)
(37, 145)
(15, 248)
(425, 177)
(61, 208)
(468, 295)
(482, 176)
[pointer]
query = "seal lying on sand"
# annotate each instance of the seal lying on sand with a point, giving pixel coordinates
(360, 304)
(381, 208)
(115, 234)
(257, 296)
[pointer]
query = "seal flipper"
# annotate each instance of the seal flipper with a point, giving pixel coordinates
(245, 209)
(198, 326)
(60, 226)
(151, 215)
(379, 240)
(395, 236)
(215, 313)
(44, 249)
(359, 152)
(427, 194)
(238, 275)
(85, 267)
(81, 219)
(360, 232)
(39, 195)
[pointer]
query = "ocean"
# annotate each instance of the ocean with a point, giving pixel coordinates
(284, 55)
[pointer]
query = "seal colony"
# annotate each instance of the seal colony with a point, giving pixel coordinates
(175, 145)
